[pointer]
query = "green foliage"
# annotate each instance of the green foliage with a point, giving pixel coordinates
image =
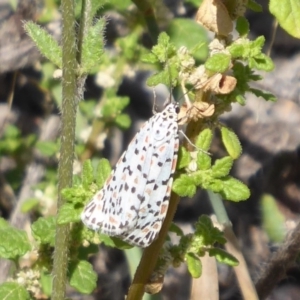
(47, 45)
(13, 144)
(218, 63)
(231, 143)
(273, 219)
(287, 14)
(214, 177)
(14, 242)
(190, 34)
(43, 230)
(205, 239)
(13, 291)
(82, 276)
(93, 47)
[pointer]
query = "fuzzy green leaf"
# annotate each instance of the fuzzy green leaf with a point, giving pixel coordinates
(204, 139)
(231, 142)
(215, 185)
(203, 161)
(222, 167)
(184, 186)
(45, 43)
(218, 63)
(234, 190)
(68, 213)
(261, 62)
(223, 257)
(43, 230)
(82, 276)
(103, 171)
(93, 46)
(87, 174)
(76, 194)
(194, 265)
(184, 158)
(13, 291)
(14, 243)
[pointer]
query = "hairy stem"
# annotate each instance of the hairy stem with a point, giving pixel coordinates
(65, 168)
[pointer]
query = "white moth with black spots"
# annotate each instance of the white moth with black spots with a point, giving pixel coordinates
(134, 200)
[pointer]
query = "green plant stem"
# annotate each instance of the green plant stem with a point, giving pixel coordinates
(151, 254)
(148, 13)
(65, 168)
(86, 21)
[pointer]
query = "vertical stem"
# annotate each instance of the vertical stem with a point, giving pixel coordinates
(151, 254)
(65, 168)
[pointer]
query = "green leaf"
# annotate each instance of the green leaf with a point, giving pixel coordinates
(168, 77)
(123, 121)
(273, 219)
(13, 291)
(87, 174)
(29, 205)
(112, 108)
(204, 139)
(215, 185)
(47, 45)
(261, 62)
(231, 142)
(164, 49)
(184, 158)
(149, 58)
(194, 265)
(82, 277)
(43, 230)
(188, 33)
(77, 194)
(103, 171)
(264, 94)
(184, 186)
(93, 46)
(68, 213)
(287, 13)
(242, 26)
(11, 131)
(176, 229)
(3, 223)
(203, 161)
(47, 148)
(234, 190)
(46, 283)
(14, 243)
(218, 63)
(254, 6)
(223, 257)
(222, 167)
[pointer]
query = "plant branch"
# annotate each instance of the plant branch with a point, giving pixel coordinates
(65, 168)
(151, 254)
